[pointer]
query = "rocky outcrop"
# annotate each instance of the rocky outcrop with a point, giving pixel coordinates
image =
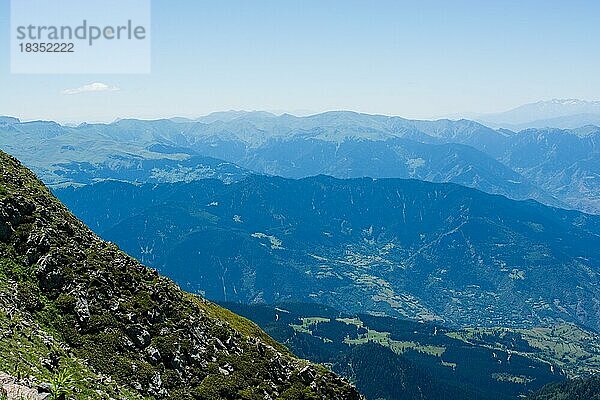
(22, 389)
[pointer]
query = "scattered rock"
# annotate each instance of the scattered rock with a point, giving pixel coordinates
(82, 309)
(13, 389)
(153, 355)
(140, 337)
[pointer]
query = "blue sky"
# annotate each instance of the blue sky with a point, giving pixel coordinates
(415, 59)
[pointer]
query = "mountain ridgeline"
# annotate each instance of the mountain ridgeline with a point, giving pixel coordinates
(554, 166)
(403, 248)
(76, 307)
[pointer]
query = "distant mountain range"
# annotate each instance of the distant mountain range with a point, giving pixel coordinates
(341, 144)
(418, 259)
(557, 113)
(405, 248)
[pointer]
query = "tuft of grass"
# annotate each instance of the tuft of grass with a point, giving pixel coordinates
(62, 384)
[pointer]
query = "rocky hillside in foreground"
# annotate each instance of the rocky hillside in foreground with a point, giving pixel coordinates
(82, 316)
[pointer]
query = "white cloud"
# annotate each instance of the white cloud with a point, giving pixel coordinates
(92, 87)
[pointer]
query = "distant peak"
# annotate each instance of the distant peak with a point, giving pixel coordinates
(568, 101)
(9, 120)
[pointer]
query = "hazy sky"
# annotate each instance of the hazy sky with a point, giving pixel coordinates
(414, 59)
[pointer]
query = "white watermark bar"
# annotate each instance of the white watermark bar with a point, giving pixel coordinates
(80, 36)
